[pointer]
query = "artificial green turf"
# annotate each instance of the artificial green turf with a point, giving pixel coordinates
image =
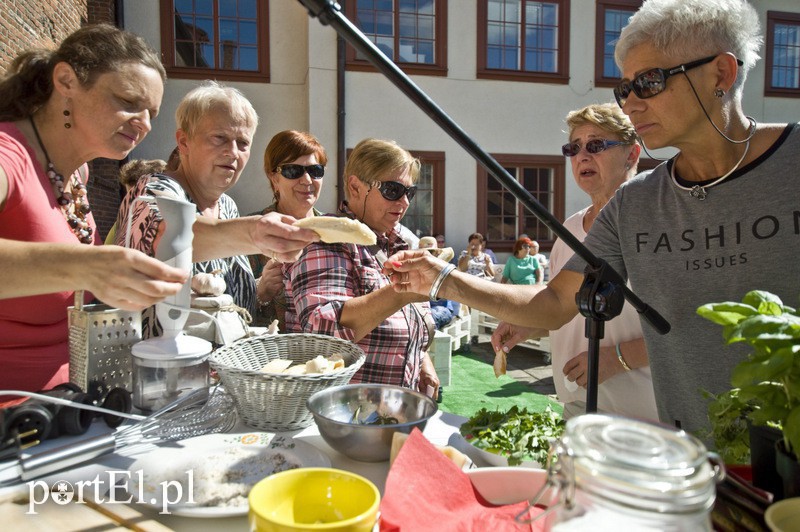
(473, 386)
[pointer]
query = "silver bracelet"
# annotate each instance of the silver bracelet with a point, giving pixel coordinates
(437, 284)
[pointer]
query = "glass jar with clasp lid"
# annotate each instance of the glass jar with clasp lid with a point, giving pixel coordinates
(614, 473)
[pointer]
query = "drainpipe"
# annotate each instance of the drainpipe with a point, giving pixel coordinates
(341, 113)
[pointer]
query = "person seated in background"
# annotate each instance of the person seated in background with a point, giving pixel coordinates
(541, 258)
(129, 174)
(474, 260)
(442, 310)
(521, 267)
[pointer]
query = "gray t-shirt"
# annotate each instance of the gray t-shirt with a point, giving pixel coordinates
(680, 253)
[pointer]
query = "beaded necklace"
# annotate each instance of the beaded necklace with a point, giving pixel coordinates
(74, 205)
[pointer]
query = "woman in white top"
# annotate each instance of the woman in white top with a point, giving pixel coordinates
(474, 261)
(603, 151)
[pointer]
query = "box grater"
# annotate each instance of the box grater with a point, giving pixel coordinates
(100, 341)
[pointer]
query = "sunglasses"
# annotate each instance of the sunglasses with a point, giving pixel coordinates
(394, 190)
(296, 171)
(593, 146)
(654, 81)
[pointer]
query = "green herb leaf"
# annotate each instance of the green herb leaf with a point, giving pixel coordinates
(516, 434)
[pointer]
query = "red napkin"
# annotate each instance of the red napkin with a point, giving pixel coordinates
(426, 491)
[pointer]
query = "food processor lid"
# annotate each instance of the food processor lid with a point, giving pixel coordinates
(180, 347)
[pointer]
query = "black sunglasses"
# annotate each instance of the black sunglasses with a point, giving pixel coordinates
(593, 146)
(296, 171)
(394, 190)
(654, 81)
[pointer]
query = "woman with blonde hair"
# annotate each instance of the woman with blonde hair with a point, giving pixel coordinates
(604, 154)
(339, 289)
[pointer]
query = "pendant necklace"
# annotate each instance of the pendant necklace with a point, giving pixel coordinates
(75, 204)
(699, 191)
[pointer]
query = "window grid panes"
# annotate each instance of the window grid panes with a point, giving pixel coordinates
(404, 30)
(786, 56)
(614, 21)
(506, 218)
(419, 216)
(522, 35)
(216, 34)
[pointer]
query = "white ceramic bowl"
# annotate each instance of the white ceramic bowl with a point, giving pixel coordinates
(483, 458)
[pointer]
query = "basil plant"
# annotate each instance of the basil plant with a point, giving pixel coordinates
(768, 380)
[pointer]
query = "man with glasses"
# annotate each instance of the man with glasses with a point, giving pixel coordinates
(340, 290)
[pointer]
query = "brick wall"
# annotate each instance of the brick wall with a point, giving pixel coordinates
(28, 23)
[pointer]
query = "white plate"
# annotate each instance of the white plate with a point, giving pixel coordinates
(212, 459)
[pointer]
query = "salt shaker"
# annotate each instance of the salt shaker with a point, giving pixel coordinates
(614, 473)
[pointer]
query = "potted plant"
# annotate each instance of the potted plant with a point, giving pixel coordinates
(766, 385)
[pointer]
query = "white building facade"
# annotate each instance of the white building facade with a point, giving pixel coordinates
(507, 71)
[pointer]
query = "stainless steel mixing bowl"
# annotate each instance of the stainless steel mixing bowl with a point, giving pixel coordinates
(358, 420)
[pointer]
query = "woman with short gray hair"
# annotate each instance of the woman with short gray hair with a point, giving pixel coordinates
(710, 224)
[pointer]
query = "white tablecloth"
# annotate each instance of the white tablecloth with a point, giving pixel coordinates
(440, 429)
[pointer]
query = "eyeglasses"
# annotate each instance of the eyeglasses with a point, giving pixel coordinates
(296, 171)
(593, 146)
(654, 81)
(394, 190)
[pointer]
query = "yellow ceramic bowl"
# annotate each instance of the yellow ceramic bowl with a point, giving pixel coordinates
(784, 516)
(314, 499)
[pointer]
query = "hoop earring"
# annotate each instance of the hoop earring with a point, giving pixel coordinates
(67, 123)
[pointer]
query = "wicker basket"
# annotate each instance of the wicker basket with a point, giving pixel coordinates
(278, 402)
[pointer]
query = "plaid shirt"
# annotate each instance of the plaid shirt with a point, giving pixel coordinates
(326, 276)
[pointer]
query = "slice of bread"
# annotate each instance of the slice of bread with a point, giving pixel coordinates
(332, 229)
(445, 254)
(499, 363)
(455, 456)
